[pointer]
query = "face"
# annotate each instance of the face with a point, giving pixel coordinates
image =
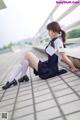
(51, 33)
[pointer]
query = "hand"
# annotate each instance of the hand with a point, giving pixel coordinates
(74, 69)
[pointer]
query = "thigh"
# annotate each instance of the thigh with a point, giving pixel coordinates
(33, 60)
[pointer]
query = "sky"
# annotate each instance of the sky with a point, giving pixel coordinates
(22, 19)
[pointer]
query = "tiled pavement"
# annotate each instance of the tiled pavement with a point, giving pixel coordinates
(57, 98)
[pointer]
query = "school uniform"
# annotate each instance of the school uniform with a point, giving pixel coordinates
(49, 68)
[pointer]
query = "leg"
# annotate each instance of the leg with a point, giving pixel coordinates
(17, 69)
(33, 60)
(22, 67)
(25, 64)
(30, 59)
(23, 76)
(12, 75)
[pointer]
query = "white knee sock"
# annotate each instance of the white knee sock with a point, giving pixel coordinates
(14, 72)
(25, 64)
(19, 68)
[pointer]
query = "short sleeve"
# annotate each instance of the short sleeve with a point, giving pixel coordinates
(59, 45)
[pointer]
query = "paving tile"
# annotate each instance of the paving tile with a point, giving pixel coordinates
(35, 78)
(76, 88)
(45, 105)
(23, 104)
(67, 98)
(23, 111)
(25, 89)
(11, 96)
(0, 89)
(68, 76)
(25, 97)
(1, 92)
(71, 107)
(9, 115)
(25, 92)
(48, 114)
(54, 79)
(12, 88)
(60, 87)
(43, 98)
(75, 116)
(27, 117)
(38, 93)
(54, 84)
(73, 83)
(6, 108)
(38, 85)
(57, 119)
(10, 93)
(71, 78)
(0, 95)
(40, 88)
(7, 102)
(38, 81)
(25, 84)
(78, 92)
(63, 92)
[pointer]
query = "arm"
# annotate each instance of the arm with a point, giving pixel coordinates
(60, 48)
(67, 60)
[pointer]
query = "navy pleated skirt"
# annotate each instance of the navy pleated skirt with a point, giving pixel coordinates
(47, 68)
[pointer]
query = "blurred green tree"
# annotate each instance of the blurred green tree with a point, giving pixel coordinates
(73, 33)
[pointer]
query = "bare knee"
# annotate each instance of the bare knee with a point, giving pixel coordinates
(27, 55)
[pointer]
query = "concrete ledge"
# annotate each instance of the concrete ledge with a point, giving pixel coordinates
(73, 54)
(40, 48)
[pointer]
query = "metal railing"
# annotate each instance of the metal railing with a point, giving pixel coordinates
(41, 35)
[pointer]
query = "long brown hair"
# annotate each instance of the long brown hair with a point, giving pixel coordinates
(55, 27)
